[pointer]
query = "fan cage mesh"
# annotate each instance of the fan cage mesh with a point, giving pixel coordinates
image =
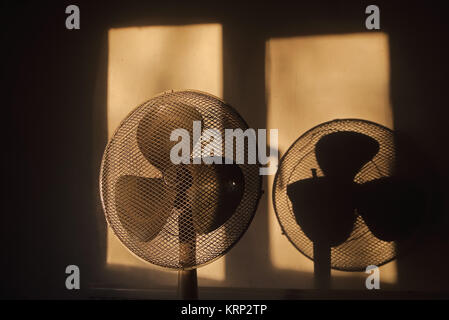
(122, 157)
(362, 248)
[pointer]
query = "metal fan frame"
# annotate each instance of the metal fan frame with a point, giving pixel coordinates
(260, 190)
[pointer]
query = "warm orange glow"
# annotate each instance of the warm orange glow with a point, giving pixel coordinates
(145, 61)
(309, 80)
(314, 79)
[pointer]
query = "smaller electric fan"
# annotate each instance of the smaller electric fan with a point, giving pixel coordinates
(342, 199)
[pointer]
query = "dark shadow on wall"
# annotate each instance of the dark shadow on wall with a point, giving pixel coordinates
(419, 68)
(51, 75)
(244, 88)
(100, 137)
(57, 93)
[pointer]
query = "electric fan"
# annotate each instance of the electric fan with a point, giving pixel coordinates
(179, 216)
(342, 199)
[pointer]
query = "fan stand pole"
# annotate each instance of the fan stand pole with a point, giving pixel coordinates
(187, 285)
(322, 265)
(187, 279)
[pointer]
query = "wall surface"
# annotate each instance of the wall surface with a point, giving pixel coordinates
(288, 67)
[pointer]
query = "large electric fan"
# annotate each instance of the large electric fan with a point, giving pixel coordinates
(178, 215)
(342, 197)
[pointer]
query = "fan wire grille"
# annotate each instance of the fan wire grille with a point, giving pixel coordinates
(124, 158)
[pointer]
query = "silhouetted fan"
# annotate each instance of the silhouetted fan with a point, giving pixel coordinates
(179, 216)
(340, 198)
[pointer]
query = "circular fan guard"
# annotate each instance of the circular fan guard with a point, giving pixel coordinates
(137, 176)
(362, 248)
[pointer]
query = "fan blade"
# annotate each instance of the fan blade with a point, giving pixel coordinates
(216, 192)
(324, 209)
(154, 130)
(342, 154)
(391, 207)
(142, 215)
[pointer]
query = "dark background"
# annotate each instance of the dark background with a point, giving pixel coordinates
(54, 131)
